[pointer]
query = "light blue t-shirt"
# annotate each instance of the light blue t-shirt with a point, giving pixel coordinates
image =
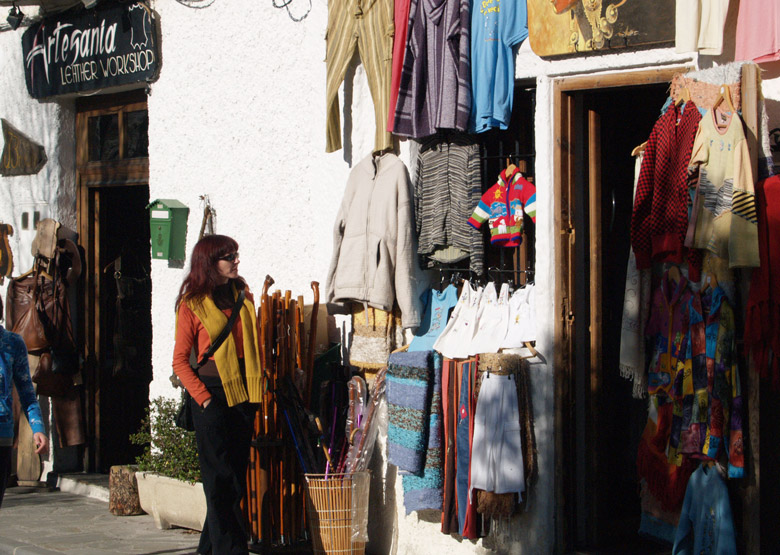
(496, 27)
(438, 305)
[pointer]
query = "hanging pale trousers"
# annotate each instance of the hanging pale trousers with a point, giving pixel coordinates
(367, 25)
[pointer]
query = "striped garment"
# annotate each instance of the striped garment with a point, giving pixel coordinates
(425, 491)
(447, 185)
(369, 28)
(503, 205)
(724, 220)
(409, 393)
(435, 90)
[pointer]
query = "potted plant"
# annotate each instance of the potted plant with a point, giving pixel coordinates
(168, 474)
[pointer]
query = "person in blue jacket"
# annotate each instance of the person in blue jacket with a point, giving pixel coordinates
(15, 370)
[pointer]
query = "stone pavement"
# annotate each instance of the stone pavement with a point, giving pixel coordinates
(74, 518)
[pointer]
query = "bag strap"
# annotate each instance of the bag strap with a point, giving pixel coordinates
(225, 331)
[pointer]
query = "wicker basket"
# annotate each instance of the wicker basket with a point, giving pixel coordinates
(330, 509)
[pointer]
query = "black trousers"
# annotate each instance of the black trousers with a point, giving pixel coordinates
(223, 435)
(5, 468)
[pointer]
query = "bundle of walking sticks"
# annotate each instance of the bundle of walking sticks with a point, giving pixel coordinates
(283, 441)
(290, 440)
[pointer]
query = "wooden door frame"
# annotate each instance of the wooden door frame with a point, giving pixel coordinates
(90, 178)
(566, 117)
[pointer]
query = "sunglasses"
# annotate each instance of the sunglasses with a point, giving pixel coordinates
(229, 257)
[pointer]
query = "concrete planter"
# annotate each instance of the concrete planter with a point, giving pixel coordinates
(172, 502)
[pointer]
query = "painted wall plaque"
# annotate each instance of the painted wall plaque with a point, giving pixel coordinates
(570, 27)
(21, 155)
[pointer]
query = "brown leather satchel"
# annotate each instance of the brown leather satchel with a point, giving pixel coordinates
(23, 314)
(49, 383)
(38, 311)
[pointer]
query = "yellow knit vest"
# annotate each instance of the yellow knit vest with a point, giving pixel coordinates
(226, 358)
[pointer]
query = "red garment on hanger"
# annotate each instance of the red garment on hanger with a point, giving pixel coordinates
(762, 323)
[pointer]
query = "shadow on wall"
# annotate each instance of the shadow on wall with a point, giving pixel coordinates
(346, 108)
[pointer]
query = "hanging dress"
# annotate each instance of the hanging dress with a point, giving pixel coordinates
(455, 340)
(492, 320)
(522, 318)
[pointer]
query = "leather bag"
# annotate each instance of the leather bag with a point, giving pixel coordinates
(184, 415)
(49, 383)
(38, 311)
(22, 311)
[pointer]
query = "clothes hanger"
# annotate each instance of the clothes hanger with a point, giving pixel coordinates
(674, 273)
(510, 167)
(531, 349)
(683, 97)
(725, 94)
(710, 282)
(638, 149)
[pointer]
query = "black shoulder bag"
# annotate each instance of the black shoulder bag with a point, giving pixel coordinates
(184, 416)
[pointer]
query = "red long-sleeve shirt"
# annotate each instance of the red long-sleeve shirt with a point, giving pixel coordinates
(188, 330)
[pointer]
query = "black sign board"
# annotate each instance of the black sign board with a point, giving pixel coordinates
(93, 50)
(21, 155)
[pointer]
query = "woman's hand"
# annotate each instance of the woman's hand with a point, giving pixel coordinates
(41, 443)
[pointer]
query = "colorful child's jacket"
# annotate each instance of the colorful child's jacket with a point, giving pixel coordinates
(505, 210)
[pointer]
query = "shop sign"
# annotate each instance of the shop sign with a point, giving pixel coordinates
(21, 155)
(570, 27)
(94, 50)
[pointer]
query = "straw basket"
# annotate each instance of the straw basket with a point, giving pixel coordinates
(330, 509)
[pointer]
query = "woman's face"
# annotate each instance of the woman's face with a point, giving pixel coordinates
(227, 267)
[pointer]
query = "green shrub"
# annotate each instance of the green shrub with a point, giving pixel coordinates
(168, 449)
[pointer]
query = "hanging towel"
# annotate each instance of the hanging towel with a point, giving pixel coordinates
(636, 305)
(409, 393)
(425, 491)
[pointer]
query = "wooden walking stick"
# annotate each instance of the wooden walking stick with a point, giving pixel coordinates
(262, 420)
(279, 343)
(309, 369)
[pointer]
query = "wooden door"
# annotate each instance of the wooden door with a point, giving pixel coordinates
(598, 120)
(113, 191)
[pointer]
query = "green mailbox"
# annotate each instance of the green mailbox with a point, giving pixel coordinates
(168, 226)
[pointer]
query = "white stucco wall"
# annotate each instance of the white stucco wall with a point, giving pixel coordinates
(50, 192)
(51, 124)
(238, 113)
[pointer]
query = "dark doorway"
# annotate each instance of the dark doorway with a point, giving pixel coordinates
(113, 179)
(125, 323)
(608, 124)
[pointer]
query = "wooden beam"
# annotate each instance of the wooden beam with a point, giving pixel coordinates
(751, 520)
(622, 79)
(595, 319)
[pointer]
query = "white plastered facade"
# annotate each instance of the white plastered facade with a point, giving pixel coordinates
(238, 113)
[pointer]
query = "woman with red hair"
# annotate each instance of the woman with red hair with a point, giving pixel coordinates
(224, 390)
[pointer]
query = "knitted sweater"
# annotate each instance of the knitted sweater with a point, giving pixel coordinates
(199, 324)
(14, 370)
(374, 257)
(503, 204)
(660, 217)
(409, 391)
(724, 212)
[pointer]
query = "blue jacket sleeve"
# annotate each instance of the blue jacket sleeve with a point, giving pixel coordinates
(24, 386)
